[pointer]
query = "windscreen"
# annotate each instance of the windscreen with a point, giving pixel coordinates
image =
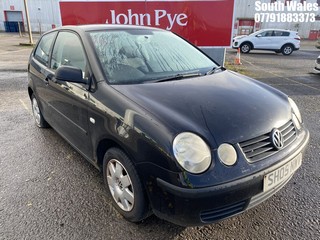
(140, 56)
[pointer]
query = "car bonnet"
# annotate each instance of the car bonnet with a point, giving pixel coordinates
(232, 107)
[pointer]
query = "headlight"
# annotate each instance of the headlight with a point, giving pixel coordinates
(191, 152)
(227, 154)
(296, 121)
(295, 109)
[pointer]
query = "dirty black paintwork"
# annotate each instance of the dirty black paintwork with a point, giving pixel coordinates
(143, 120)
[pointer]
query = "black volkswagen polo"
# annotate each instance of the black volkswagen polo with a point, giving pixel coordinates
(174, 133)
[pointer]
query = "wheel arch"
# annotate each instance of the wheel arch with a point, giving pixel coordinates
(30, 92)
(288, 43)
(104, 145)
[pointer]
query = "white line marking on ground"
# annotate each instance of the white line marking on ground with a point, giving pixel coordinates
(25, 107)
(277, 75)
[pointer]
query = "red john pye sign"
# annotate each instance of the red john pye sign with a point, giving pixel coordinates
(204, 23)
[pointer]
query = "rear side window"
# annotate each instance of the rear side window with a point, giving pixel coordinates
(43, 49)
(281, 34)
(68, 51)
(277, 33)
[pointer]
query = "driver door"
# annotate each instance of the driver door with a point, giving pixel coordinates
(264, 40)
(69, 101)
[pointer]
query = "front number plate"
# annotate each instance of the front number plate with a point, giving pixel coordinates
(282, 173)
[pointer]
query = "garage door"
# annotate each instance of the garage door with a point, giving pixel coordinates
(13, 20)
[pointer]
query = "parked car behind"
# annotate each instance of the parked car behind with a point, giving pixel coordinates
(318, 43)
(317, 65)
(174, 133)
(278, 40)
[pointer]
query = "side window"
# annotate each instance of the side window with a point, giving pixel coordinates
(281, 34)
(266, 34)
(43, 49)
(68, 51)
(285, 34)
(278, 33)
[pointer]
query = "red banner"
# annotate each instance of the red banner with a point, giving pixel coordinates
(204, 23)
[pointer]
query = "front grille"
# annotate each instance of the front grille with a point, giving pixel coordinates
(318, 60)
(224, 212)
(261, 147)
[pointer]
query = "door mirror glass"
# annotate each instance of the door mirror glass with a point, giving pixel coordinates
(70, 74)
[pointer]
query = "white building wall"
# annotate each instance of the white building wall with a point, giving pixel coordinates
(245, 9)
(43, 13)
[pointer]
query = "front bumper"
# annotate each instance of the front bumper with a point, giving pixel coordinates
(190, 207)
(316, 69)
(235, 44)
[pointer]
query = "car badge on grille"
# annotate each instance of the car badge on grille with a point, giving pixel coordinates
(277, 139)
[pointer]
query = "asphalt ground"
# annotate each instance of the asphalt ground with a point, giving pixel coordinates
(48, 191)
(13, 56)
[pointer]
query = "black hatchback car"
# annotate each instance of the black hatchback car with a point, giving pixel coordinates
(173, 133)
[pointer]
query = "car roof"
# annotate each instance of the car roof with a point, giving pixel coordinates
(100, 27)
(276, 29)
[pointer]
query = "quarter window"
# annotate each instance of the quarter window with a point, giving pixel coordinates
(68, 51)
(43, 49)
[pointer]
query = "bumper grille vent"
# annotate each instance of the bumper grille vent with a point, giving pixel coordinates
(261, 147)
(224, 212)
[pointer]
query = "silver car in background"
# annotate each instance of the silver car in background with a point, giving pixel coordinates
(278, 40)
(317, 65)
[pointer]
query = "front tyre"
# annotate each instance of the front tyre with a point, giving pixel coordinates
(37, 115)
(287, 49)
(245, 47)
(124, 185)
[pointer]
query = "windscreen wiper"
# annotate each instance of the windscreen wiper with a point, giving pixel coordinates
(176, 77)
(214, 70)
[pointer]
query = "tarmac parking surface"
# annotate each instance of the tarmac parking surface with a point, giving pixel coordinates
(48, 191)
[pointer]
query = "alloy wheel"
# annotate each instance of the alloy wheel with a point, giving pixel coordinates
(245, 48)
(120, 185)
(36, 111)
(287, 50)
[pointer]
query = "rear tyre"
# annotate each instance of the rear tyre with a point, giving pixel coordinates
(287, 49)
(245, 47)
(124, 185)
(37, 115)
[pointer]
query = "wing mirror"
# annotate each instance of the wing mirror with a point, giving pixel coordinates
(70, 74)
(258, 35)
